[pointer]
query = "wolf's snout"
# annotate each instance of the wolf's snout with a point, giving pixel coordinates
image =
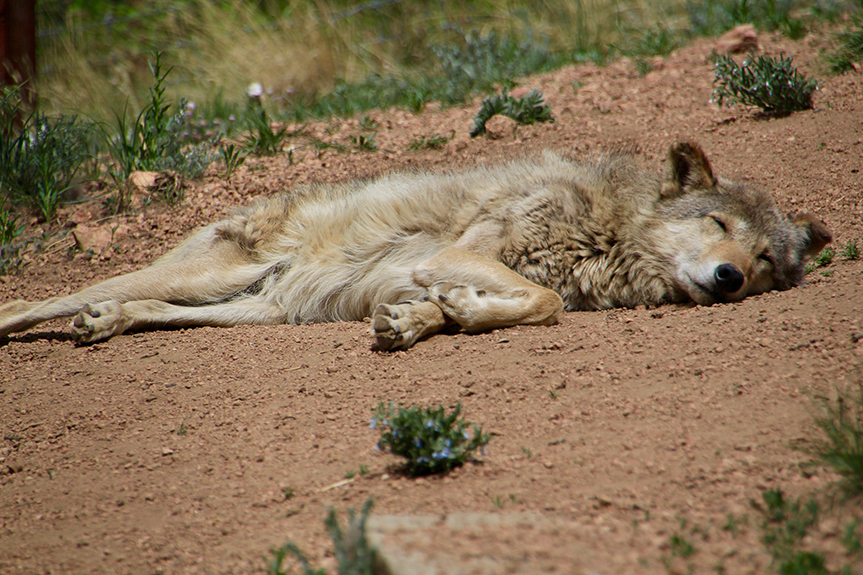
(728, 278)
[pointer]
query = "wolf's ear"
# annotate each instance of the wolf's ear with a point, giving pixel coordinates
(687, 166)
(817, 234)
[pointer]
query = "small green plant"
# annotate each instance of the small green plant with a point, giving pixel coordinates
(431, 440)
(369, 124)
(154, 140)
(841, 448)
(9, 228)
(40, 158)
(182, 430)
(850, 251)
(771, 84)
(350, 474)
(288, 492)
(433, 142)
(263, 139)
(850, 48)
(785, 525)
(354, 555)
(365, 143)
(233, 157)
(680, 547)
(528, 109)
(364, 470)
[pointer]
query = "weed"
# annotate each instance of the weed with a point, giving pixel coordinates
(182, 430)
(354, 555)
(527, 452)
(528, 109)
(288, 492)
(656, 41)
(350, 474)
(233, 158)
(154, 140)
(430, 440)
(680, 547)
(772, 84)
(9, 228)
(262, 138)
(365, 143)
(841, 448)
(433, 142)
(850, 47)
(785, 525)
(352, 550)
(497, 502)
(713, 18)
(732, 524)
(850, 251)
(39, 159)
(369, 124)
(552, 394)
(825, 258)
(364, 470)
(850, 539)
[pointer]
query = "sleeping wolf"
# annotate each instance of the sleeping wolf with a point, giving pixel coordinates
(487, 248)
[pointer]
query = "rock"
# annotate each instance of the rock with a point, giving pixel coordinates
(743, 38)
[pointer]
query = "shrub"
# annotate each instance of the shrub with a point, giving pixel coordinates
(529, 109)
(430, 440)
(41, 157)
(772, 84)
(154, 141)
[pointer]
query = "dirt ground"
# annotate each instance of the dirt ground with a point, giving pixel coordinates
(174, 451)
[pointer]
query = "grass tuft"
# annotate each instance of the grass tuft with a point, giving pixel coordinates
(528, 109)
(841, 447)
(849, 52)
(772, 84)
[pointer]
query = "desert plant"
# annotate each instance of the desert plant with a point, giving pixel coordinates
(153, 141)
(784, 527)
(262, 138)
(354, 554)
(850, 251)
(233, 158)
(772, 84)
(433, 142)
(528, 109)
(430, 440)
(841, 447)
(364, 143)
(849, 51)
(40, 156)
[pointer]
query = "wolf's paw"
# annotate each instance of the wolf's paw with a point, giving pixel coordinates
(460, 302)
(98, 321)
(393, 327)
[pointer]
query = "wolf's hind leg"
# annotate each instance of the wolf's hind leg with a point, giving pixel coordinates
(399, 326)
(100, 321)
(481, 294)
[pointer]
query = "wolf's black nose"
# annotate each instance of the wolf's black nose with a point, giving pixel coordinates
(729, 279)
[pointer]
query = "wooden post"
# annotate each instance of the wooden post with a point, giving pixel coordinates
(18, 46)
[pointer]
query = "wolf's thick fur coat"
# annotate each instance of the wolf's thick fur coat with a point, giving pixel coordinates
(484, 248)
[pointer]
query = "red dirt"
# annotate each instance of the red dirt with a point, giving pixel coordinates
(171, 451)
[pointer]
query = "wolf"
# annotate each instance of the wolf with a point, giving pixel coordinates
(486, 248)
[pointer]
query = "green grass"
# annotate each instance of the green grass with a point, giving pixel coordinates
(431, 440)
(850, 251)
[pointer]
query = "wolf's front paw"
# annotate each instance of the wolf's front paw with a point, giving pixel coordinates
(393, 327)
(98, 321)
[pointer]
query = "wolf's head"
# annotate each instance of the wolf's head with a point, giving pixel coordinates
(727, 241)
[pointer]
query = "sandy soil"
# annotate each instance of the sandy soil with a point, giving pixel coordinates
(171, 452)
